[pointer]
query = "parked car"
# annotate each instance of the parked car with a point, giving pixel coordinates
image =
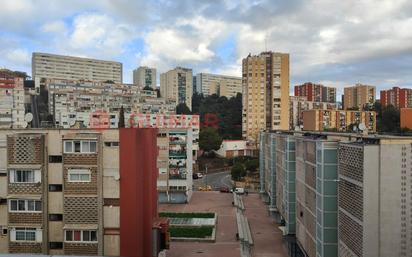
(224, 190)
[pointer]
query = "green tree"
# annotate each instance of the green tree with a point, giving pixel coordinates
(209, 139)
(121, 123)
(238, 172)
(182, 109)
(390, 119)
(252, 165)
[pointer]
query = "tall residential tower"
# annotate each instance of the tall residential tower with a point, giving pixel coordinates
(145, 77)
(265, 93)
(177, 85)
(358, 96)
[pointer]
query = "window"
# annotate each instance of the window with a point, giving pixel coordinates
(25, 176)
(81, 236)
(79, 175)
(26, 234)
(111, 144)
(56, 245)
(77, 146)
(55, 217)
(25, 206)
(55, 159)
(55, 188)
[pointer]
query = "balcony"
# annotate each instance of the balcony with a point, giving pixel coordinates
(177, 154)
(177, 176)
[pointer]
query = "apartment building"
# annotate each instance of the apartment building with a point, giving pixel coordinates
(298, 104)
(265, 99)
(316, 92)
(222, 85)
(352, 198)
(12, 108)
(145, 77)
(79, 192)
(76, 102)
(375, 205)
(53, 66)
(406, 118)
(177, 85)
(358, 96)
(338, 120)
(398, 97)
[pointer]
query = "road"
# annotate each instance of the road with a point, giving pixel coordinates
(215, 180)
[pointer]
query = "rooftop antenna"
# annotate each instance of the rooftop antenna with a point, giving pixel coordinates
(266, 47)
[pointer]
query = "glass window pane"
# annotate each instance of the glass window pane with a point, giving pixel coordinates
(30, 176)
(92, 147)
(30, 205)
(85, 147)
(30, 235)
(20, 235)
(38, 205)
(93, 236)
(74, 177)
(18, 176)
(22, 206)
(86, 236)
(69, 235)
(85, 177)
(77, 236)
(77, 146)
(68, 146)
(13, 204)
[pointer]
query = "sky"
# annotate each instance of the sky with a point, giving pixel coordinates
(337, 43)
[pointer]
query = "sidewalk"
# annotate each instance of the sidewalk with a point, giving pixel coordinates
(266, 235)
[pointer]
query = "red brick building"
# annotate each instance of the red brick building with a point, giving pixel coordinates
(316, 92)
(398, 97)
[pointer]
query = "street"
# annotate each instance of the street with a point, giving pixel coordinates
(215, 180)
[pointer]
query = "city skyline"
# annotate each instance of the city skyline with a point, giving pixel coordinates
(342, 46)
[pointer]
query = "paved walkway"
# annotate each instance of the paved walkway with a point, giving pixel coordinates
(266, 235)
(226, 244)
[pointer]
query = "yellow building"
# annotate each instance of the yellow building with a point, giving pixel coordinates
(177, 85)
(265, 94)
(358, 96)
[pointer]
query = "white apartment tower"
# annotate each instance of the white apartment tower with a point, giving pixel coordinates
(145, 77)
(177, 85)
(53, 66)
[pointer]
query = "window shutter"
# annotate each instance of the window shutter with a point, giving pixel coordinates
(13, 234)
(39, 235)
(37, 176)
(11, 174)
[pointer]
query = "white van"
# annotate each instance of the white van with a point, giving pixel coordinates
(239, 190)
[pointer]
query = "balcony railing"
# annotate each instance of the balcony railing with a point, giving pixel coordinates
(177, 154)
(177, 176)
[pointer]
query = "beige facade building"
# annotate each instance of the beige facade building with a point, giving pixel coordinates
(358, 96)
(265, 94)
(209, 84)
(145, 77)
(53, 66)
(177, 85)
(338, 120)
(298, 104)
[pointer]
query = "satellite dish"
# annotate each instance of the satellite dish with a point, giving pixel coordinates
(28, 117)
(25, 124)
(362, 126)
(72, 122)
(355, 128)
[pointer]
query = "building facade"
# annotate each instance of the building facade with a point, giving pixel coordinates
(398, 97)
(12, 108)
(406, 118)
(352, 197)
(209, 84)
(53, 66)
(359, 96)
(265, 98)
(78, 192)
(316, 92)
(177, 85)
(298, 104)
(338, 120)
(73, 102)
(145, 77)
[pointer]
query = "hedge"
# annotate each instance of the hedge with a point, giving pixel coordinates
(197, 232)
(187, 214)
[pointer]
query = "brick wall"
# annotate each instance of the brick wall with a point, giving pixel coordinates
(25, 218)
(25, 149)
(80, 210)
(80, 159)
(29, 188)
(80, 248)
(25, 247)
